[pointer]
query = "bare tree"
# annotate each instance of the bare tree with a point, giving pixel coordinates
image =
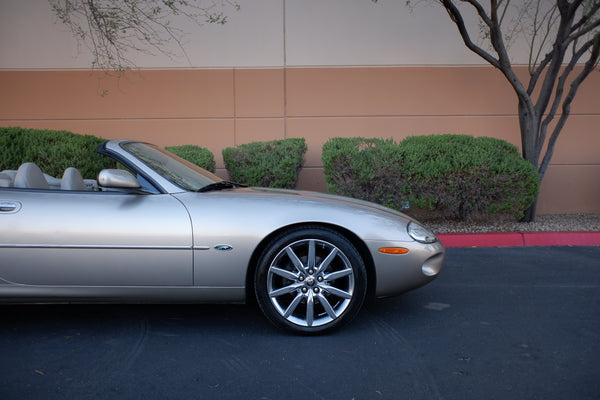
(564, 41)
(113, 29)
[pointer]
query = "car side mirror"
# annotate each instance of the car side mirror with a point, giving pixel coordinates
(117, 178)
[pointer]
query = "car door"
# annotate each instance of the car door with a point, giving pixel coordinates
(66, 238)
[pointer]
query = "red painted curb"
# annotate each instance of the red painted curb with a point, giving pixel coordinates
(561, 239)
(520, 239)
(481, 239)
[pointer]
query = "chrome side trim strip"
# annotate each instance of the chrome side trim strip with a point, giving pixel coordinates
(103, 247)
(90, 246)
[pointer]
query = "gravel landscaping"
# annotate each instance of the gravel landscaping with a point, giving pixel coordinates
(506, 223)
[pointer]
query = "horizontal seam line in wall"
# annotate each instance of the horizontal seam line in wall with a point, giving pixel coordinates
(574, 165)
(427, 116)
(298, 66)
(397, 116)
(91, 119)
(364, 116)
(325, 66)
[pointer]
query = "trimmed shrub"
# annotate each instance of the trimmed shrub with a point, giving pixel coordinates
(195, 154)
(52, 151)
(451, 174)
(268, 164)
(363, 168)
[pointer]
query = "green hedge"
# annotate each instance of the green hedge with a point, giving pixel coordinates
(195, 154)
(52, 151)
(267, 164)
(452, 174)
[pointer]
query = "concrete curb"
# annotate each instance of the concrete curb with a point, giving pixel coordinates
(520, 239)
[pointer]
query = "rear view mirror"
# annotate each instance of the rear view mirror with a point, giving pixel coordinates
(117, 178)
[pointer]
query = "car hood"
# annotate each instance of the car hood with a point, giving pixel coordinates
(267, 209)
(332, 198)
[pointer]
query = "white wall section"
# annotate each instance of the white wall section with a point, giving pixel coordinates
(317, 33)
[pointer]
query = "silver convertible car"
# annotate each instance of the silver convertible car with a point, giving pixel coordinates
(163, 230)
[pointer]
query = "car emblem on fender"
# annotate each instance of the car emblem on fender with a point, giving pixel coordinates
(223, 247)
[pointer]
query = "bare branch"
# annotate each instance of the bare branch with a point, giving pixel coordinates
(558, 96)
(457, 18)
(112, 29)
(496, 37)
(584, 31)
(557, 56)
(504, 11)
(566, 111)
(481, 11)
(549, 19)
(586, 17)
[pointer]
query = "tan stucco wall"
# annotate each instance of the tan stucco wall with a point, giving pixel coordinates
(216, 108)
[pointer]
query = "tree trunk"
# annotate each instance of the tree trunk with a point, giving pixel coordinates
(530, 126)
(530, 213)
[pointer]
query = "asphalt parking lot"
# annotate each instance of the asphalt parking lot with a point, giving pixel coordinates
(499, 323)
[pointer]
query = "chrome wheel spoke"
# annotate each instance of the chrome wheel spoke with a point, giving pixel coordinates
(327, 261)
(293, 305)
(284, 290)
(310, 309)
(338, 274)
(295, 260)
(284, 273)
(336, 292)
(312, 258)
(325, 303)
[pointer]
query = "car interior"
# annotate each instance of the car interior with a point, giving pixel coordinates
(30, 176)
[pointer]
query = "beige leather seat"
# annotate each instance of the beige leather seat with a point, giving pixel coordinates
(5, 180)
(11, 174)
(30, 176)
(53, 182)
(72, 180)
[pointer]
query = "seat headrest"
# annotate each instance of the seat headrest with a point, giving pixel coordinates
(30, 176)
(72, 180)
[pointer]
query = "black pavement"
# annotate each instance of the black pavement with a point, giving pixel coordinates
(508, 323)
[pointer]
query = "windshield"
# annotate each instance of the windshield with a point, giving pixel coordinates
(177, 170)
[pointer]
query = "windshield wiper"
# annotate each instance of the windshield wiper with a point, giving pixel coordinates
(220, 186)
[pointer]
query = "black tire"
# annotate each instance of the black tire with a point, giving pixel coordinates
(310, 280)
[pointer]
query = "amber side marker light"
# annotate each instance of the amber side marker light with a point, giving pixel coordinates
(393, 250)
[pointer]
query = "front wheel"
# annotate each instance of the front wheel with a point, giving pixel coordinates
(310, 280)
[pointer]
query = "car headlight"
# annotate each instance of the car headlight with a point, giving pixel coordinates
(420, 233)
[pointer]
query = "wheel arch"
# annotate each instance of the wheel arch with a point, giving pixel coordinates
(360, 246)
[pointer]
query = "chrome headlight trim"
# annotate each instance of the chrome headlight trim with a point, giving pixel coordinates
(421, 234)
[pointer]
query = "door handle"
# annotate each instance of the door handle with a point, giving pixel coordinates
(9, 206)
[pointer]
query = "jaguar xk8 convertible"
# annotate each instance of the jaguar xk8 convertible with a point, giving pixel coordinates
(163, 230)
